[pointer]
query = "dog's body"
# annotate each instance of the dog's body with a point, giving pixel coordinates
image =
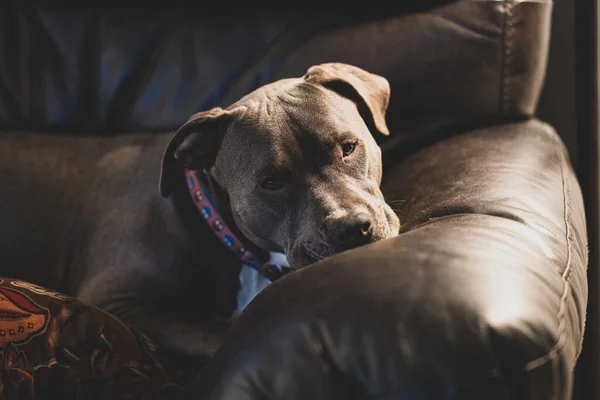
(83, 216)
(292, 167)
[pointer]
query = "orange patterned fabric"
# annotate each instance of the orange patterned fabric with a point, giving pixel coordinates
(54, 347)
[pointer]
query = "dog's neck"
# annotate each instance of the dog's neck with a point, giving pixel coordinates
(220, 198)
(258, 267)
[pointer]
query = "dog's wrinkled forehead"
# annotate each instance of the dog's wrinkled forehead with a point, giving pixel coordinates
(297, 114)
(295, 125)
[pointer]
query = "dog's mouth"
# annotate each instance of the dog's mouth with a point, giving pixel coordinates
(316, 251)
(315, 257)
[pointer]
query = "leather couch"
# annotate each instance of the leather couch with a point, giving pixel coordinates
(484, 292)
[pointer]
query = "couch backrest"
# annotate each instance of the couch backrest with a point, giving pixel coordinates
(104, 71)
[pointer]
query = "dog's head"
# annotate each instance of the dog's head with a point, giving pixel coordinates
(298, 161)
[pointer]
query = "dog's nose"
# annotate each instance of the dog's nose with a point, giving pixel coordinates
(350, 231)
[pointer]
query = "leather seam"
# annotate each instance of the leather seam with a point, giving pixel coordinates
(560, 343)
(507, 33)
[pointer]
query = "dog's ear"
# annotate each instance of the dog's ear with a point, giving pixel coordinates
(373, 91)
(194, 145)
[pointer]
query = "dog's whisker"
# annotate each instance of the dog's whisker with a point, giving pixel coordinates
(395, 202)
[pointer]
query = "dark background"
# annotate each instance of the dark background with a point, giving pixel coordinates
(557, 102)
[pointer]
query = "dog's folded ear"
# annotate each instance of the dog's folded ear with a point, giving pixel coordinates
(366, 89)
(194, 145)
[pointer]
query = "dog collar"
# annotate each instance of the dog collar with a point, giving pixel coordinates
(207, 208)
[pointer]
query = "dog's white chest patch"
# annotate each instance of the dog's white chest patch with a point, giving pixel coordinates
(252, 282)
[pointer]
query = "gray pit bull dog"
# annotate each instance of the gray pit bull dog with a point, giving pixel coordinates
(290, 168)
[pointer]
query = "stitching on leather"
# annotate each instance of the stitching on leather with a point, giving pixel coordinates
(507, 55)
(553, 353)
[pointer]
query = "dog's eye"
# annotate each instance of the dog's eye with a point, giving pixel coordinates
(271, 183)
(348, 148)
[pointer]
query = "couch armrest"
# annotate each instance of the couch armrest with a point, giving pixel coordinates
(482, 295)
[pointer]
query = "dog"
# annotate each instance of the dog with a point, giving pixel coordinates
(284, 177)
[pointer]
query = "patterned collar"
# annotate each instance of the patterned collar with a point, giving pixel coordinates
(207, 208)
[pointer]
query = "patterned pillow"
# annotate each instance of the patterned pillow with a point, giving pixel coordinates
(54, 347)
